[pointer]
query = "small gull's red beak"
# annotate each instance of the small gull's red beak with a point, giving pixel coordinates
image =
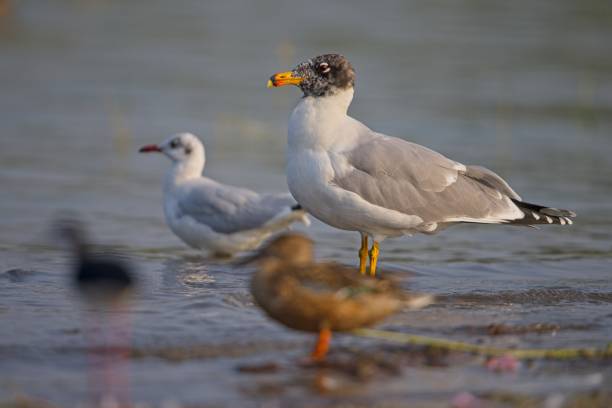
(149, 148)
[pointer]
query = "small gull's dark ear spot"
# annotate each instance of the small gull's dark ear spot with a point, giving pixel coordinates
(187, 150)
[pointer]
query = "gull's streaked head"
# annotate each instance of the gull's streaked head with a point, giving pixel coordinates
(320, 76)
(179, 147)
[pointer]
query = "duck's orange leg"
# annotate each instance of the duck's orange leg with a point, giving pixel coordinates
(322, 345)
(363, 254)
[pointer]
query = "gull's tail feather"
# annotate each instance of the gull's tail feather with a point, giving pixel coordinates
(285, 218)
(538, 214)
(298, 209)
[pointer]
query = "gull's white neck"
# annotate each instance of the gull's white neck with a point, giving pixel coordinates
(315, 121)
(187, 169)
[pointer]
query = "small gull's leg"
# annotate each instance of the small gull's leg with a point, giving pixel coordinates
(363, 254)
(374, 258)
(322, 345)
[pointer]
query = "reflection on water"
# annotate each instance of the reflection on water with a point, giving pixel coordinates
(524, 88)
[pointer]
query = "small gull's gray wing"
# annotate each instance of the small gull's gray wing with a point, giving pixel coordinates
(403, 176)
(228, 209)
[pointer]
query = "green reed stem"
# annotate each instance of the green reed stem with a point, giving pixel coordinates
(557, 354)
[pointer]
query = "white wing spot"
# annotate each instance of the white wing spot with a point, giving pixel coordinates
(428, 227)
(535, 215)
(569, 222)
(562, 220)
(451, 179)
(549, 220)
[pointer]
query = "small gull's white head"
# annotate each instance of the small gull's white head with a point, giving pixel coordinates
(179, 147)
(184, 149)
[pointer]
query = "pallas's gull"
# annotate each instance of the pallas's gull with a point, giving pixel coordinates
(356, 179)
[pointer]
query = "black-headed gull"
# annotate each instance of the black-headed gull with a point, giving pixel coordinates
(217, 217)
(356, 179)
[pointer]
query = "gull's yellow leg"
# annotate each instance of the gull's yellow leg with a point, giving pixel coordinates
(374, 258)
(363, 254)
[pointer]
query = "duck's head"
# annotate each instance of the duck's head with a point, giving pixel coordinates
(287, 249)
(323, 75)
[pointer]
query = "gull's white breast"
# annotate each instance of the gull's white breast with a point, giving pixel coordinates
(318, 135)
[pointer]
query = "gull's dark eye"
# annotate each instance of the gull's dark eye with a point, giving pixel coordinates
(174, 143)
(323, 68)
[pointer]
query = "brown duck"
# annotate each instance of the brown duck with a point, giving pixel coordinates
(321, 297)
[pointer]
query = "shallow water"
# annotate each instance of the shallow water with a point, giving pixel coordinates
(524, 89)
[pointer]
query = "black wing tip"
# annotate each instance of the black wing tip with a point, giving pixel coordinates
(556, 212)
(544, 215)
(297, 207)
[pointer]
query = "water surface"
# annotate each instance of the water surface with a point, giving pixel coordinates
(523, 88)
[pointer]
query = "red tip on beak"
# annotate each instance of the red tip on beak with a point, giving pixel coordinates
(149, 149)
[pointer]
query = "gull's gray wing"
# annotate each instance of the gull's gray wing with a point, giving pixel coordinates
(409, 178)
(390, 157)
(228, 209)
(491, 179)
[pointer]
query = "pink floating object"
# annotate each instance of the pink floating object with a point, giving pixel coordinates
(466, 400)
(503, 364)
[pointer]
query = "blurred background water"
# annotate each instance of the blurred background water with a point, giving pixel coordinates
(522, 87)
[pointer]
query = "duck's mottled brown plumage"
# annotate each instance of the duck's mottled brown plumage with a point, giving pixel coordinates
(313, 297)
(309, 296)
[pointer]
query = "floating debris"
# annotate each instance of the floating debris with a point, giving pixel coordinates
(466, 400)
(500, 329)
(261, 368)
(502, 364)
(557, 354)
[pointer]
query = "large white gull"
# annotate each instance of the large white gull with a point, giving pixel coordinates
(356, 179)
(209, 215)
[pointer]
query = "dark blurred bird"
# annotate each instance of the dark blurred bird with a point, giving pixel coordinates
(101, 279)
(105, 284)
(321, 297)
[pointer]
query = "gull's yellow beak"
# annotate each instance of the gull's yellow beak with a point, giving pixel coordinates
(284, 78)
